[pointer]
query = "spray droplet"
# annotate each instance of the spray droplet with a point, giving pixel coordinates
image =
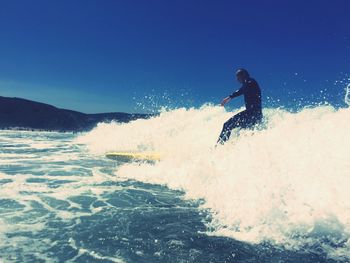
(347, 95)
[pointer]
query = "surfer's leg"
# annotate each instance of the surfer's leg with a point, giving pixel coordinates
(252, 121)
(235, 122)
(226, 131)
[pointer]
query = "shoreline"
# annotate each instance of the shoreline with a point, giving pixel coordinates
(22, 114)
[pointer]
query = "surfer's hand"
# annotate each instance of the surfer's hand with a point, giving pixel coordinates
(225, 100)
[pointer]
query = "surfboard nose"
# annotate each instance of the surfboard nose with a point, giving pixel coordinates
(134, 156)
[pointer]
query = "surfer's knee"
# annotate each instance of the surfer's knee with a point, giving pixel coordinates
(232, 123)
(227, 125)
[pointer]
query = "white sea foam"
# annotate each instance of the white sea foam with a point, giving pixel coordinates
(288, 183)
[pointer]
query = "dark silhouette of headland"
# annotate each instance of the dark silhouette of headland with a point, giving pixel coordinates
(17, 113)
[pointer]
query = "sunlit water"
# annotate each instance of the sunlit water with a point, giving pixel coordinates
(277, 194)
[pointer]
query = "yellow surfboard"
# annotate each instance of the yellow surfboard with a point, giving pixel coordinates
(133, 156)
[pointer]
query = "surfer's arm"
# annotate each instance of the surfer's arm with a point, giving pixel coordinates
(233, 95)
(225, 100)
(236, 93)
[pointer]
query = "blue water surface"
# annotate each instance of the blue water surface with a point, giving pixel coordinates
(58, 203)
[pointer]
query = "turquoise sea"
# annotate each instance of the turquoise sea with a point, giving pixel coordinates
(280, 194)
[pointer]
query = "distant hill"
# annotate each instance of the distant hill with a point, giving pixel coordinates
(17, 113)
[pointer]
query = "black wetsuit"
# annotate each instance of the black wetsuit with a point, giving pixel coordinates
(251, 116)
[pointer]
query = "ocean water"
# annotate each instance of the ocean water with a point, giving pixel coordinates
(277, 194)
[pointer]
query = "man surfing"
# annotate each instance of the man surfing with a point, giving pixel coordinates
(252, 115)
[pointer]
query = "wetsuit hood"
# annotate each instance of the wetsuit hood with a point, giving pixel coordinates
(242, 74)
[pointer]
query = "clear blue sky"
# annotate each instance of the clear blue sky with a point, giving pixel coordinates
(107, 55)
